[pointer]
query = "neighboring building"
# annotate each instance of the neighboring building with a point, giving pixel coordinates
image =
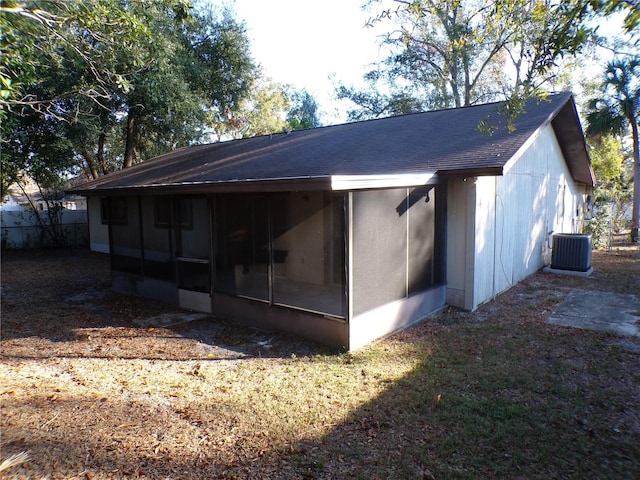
(26, 219)
(347, 233)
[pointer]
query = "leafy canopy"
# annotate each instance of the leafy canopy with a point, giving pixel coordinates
(616, 112)
(453, 53)
(118, 81)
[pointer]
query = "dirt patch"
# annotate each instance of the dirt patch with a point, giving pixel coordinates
(102, 385)
(59, 304)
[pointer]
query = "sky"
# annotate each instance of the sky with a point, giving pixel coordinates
(315, 44)
(311, 44)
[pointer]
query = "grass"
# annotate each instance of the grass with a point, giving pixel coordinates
(497, 394)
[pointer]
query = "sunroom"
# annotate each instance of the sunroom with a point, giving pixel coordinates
(347, 233)
(342, 266)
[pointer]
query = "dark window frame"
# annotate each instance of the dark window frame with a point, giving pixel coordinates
(184, 213)
(114, 211)
(162, 212)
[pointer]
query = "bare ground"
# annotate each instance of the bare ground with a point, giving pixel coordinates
(93, 386)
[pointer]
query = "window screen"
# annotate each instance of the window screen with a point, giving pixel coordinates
(421, 211)
(113, 210)
(308, 252)
(126, 248)
(193, 247)
(288, 249)
(379, 248)
(158, 262)
(242, 246)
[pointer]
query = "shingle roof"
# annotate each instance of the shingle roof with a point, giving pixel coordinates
(444, 141)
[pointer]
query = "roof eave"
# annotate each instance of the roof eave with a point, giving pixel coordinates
(329, 182)
(199, 188)
(471, 172)
(568, 130)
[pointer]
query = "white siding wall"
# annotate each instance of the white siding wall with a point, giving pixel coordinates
(98, 232)
(459, 250)
(513, 216)
(485, 240)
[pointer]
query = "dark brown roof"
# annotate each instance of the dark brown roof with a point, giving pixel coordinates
(444, 141)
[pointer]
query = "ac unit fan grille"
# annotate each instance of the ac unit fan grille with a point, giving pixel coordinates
(571, 252)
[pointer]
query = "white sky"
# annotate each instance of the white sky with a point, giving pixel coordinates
(305, 42)
(314, 44)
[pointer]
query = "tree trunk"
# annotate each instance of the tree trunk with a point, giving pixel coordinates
(100, 155)
(90, 163)
(635, 215)
(131, 139)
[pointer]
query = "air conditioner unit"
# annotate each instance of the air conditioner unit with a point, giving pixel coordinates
(571, 251)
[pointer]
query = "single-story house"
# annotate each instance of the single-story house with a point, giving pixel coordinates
(347, 233)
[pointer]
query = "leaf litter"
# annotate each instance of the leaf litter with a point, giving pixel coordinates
(102, 385)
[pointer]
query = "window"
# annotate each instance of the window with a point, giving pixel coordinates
(184, 209)
(113, 210)
(308, 252)
(242, 258)
(162, 212)
(126, 239)
(285, 249)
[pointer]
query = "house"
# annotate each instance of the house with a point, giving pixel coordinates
(26, 218)
(347, 233)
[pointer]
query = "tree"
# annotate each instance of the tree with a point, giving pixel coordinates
(613, 191)
(630, 7)
(107, 83)
(607, 160)
(127, 89)
(617, 110)
(38, 150)
(203, 65)
(448, 53)
(39, 38)
(381, 97)
(271, 108)
(262, 113)
(304, 112)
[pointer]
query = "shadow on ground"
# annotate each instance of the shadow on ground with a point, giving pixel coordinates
(59, 303)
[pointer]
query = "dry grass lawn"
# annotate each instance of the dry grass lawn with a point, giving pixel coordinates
(92, 390)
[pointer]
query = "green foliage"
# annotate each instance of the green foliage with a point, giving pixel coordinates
(451, 54)
(267, 110)
(121, 90)
(607, 159)
(613, 190)
(304, 112)
(618, 111)
(599, 227)
(619, 106)
(36, 146)
(271, 108)
(373, 102)
(42, 40)
(262, 113)
(630, 7)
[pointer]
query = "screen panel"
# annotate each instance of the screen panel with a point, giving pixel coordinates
(192, 220)
(156, 234)
(379, 248)
(308, 252)
(242, 246)
(124, 225)
(422, 236)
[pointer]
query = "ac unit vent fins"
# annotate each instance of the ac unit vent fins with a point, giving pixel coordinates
(571, 251)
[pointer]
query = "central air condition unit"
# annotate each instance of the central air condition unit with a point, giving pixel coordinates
(571, 251)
